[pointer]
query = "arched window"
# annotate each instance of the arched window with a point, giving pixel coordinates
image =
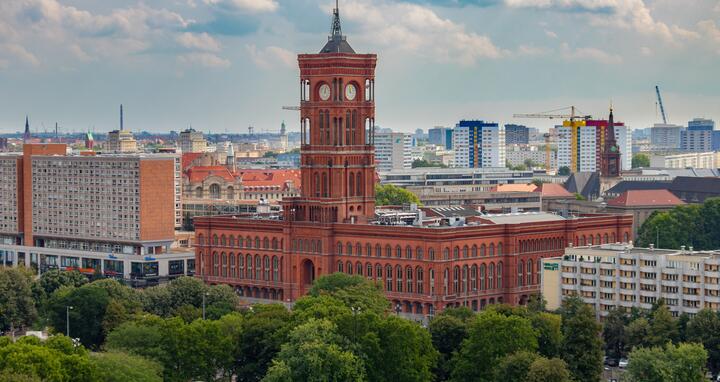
(500, 275)
(241, 242)
(351, 184)
(465, 253)
(368, 250)
(399, 275)
(358, 183)
(464, 286)
(408, 252)
(378, 250)
(275, 243)
(409, 279)
(446, 253)
(216, 264)
(500, 249)
(529, 272)
(605, 238)
(316, 177)
(419, 253)
(340, 266)
(456, 279)
(199, 192)
(230, 193)
(491, 276)
(456, 253)
(231, 258)
(474, 251)
(349, 268)
(369, 271)
(266, 268)
(257, 242)
(419, 280)
(590, 240)
(582, 240)
(483, 273)
(398, 252)
(224, 264)
(388, 278)
(446, 280)
(241, 266)
(492, 249)
(597, 239)
(358, 249)
(431, 254)
(483, 250)
(249, 265)
(388, 251)
(358, 269)
(521, 273)
(349, 249)
(473, 278)
(276, 269)
(339, 248)
(201, 239)
(431, 277)
(215, 240)
(214, 191)
(266, 243)
(378, 272)
(258, 268)
(231, 240)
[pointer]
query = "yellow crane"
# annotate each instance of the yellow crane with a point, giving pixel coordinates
(553, 114)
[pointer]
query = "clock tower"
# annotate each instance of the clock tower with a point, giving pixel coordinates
(337, 119)
(610, 160)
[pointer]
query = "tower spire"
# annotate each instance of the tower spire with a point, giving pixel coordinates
(121, 118)
(336, 27)
(26, 135)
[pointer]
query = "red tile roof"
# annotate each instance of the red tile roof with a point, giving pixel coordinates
(197, 174)
(251, 179)
(641, 198)
(188, 158)
(553, 190)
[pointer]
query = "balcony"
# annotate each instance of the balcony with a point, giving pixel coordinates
(607, 290)
(691, 297)
(690, 284)
(628, 267)
(627, 279)
(714, 299)
(587, 276)
(569, 275)
(712, 286)
(626, 304)
(607, 266)
(715, 274)
(670, 283)
(648, 293)
(588, 288)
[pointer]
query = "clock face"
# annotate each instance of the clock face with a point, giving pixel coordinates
(325, 92)
(350, 92)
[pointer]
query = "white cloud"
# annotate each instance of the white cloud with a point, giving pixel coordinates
(711, 32)
(19, 53)
(199, 41)
(418, 29)
(271, 57)
(527, 50)
(624, 13)
(208, 60)
(550, 34)
(589, 54)
(645, 51)
(252, 6)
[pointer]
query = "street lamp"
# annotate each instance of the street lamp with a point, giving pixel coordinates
(67, 320)
(203, 303)
(397, 309)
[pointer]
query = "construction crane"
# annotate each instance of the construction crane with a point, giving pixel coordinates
(662, 108)
(550, 115)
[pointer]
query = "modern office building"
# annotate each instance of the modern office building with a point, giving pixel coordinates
(192, 141)
(441, 136)
(581, 145)
(106, 203)
(665, 136)
(393, 151)
(698, 136)
(479, 144)
(708, 159)
(610, 276)
(516, 134)
(425, 258)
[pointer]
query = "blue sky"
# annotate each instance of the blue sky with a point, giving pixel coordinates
(228, 64)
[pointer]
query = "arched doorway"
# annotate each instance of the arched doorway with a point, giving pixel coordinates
(308, 272)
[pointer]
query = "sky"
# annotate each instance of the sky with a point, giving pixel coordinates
(224, 65)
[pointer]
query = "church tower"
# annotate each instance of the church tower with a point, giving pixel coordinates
(337, 119)
(610, 160)
(26, 134)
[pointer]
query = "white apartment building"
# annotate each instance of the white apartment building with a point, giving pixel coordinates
(478, 144)
(619, 275)
(393, 151)
(708, 159)
(517, 155)
(580, 149)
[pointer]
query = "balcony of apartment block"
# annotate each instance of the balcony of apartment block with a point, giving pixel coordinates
(627, 256)
(606, 278)
(648, 269)
(715, 274)
(691, 284)
(588, 288)
(625, 279)
(626, 304)
(713, 299)
(712, 286)
(692, 272)
(648, 293)
(645, 305)
(572, 287)
(670, 283)
(568, 275)
(609, 266)
(607, 290)
(588, 276)
(625, 267)
(691, 297)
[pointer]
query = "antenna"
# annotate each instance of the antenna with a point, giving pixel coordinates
(121, 117)
(336, 28)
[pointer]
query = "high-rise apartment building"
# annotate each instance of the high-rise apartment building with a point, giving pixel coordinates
(698, 136)
(441, 136)
(581, 145)
(192, 141)
(479, 144)
(516, 135)
(107, 203)
(665, 136)
(393, 151)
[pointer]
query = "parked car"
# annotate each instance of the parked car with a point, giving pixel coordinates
(623, 363)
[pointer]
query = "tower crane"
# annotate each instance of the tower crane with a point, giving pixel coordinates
(552, 114)
(662, 108)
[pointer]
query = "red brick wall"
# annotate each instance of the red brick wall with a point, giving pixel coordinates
(157, 199)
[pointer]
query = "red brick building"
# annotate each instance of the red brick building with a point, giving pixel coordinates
(426, 258)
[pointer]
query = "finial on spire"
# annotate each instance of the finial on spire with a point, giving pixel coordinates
(121, 118)
(336, 27)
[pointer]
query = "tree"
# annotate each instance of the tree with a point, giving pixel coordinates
(447, 331)
(265, 329)
(353, 291)
(564, 171)
(582, 345)
(663, 327)
(314, 353)
(548, 327)
(548, 370)
(578, 196)
(17, 307)
(123, 367)
(491, 337)
(514, 367)
(640, 160)
(636, 333)
(388, 194)
(688, 225)
(614, 333)
(89, 304)
(52, 280)
(419, 163)
(704, 328)
(682, 363)
(537, 182)
(53, 361)
(165, 300)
